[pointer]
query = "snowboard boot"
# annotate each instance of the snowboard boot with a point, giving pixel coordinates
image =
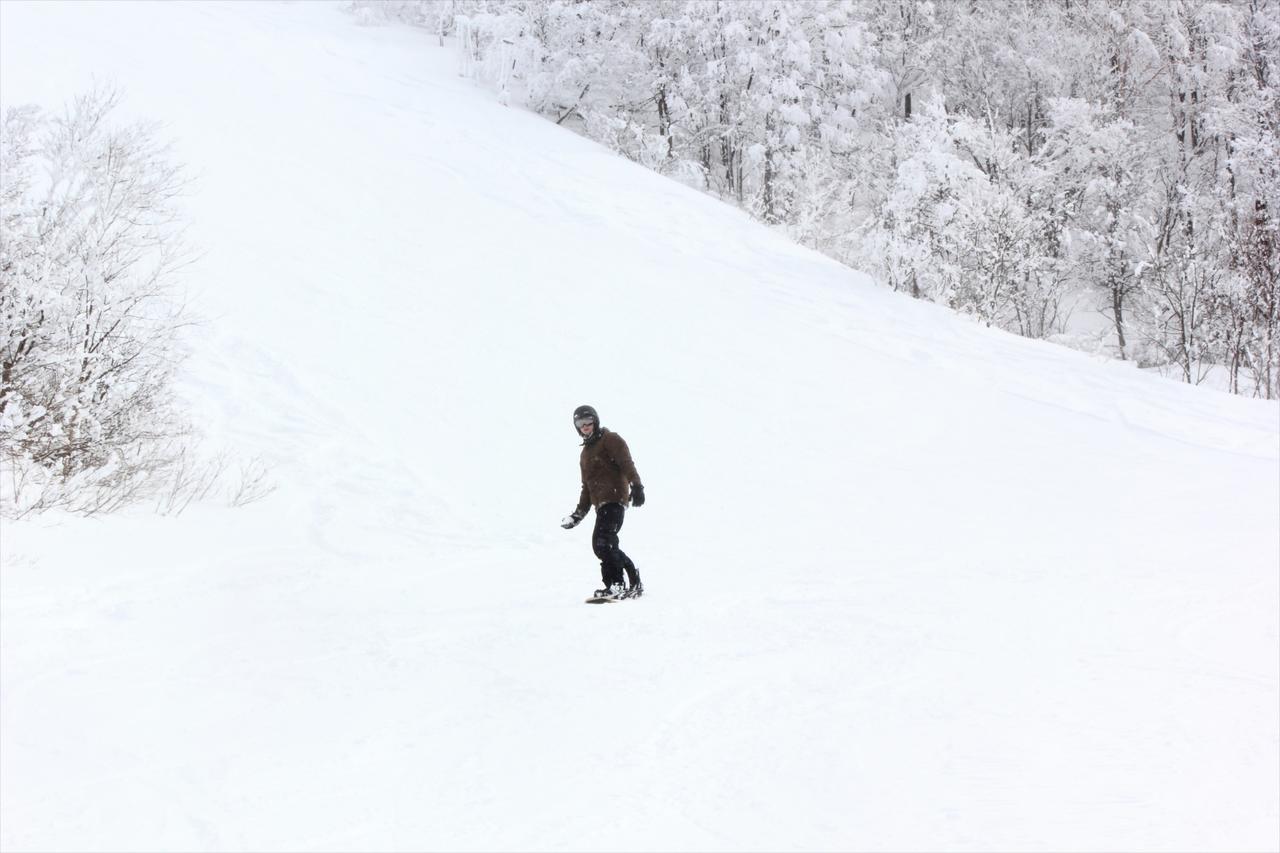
(636, 589)
(615, 590)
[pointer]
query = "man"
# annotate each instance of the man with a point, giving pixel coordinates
(609, 482)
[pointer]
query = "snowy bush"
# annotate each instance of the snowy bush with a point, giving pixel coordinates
(90, 247)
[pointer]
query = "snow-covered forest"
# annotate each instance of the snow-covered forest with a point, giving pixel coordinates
(1038, 164)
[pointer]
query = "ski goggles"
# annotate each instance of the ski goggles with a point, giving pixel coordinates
(583, 420)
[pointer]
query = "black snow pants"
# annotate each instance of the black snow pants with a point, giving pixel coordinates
(604, 541)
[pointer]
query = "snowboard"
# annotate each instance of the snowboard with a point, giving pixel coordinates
(607, 598)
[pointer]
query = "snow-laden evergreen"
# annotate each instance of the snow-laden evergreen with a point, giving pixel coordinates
(911, 582)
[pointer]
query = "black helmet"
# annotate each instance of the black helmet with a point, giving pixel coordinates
(584, 415)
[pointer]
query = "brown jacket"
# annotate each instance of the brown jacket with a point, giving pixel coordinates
(607, 472)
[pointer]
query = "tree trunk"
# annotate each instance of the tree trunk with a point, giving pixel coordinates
(1117, 310)
(770, 215)
(664, 121)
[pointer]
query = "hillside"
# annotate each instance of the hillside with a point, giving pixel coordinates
(911, 583)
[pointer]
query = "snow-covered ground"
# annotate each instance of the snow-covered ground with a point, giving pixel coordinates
(912, 583)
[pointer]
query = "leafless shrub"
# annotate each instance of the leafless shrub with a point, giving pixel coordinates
(189, 479)
(254, 483)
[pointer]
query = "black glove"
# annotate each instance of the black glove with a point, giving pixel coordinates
(637, 494)
(572, 520)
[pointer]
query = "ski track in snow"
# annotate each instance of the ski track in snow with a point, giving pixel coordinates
(911, 583)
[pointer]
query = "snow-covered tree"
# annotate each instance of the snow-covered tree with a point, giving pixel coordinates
(89, 251)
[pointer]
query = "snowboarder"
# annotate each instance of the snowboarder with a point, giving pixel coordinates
(609, 482)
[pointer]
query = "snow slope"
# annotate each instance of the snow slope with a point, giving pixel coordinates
(913, 583)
